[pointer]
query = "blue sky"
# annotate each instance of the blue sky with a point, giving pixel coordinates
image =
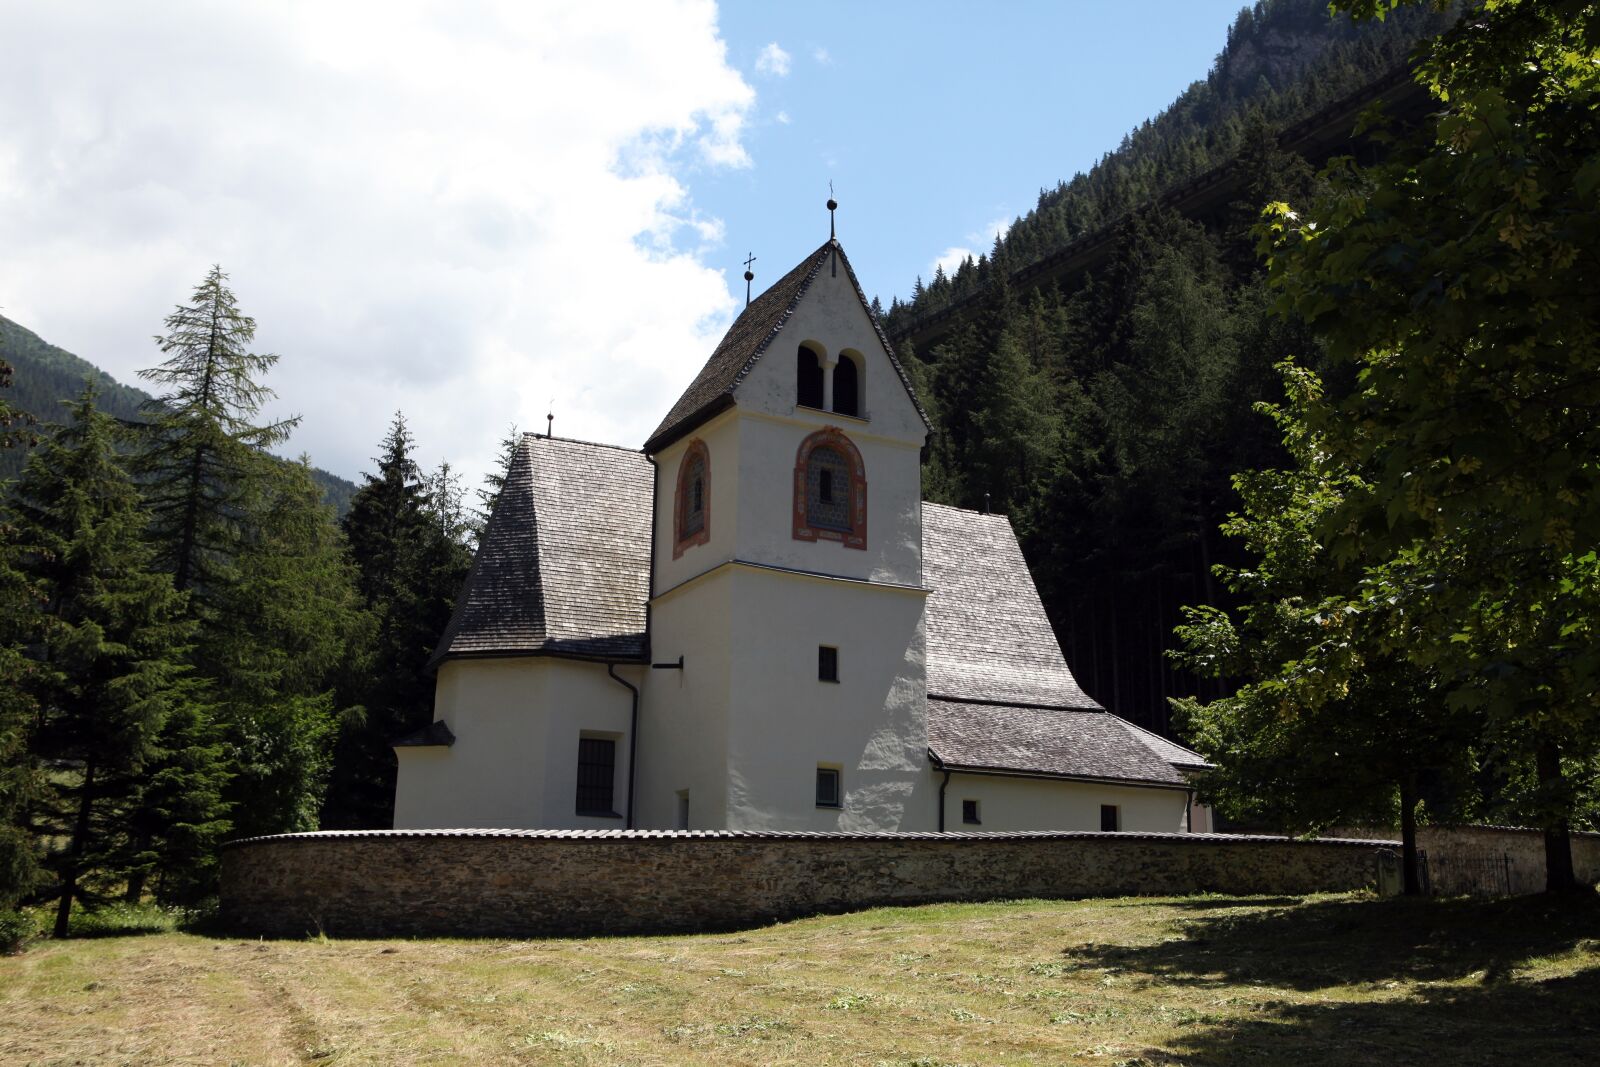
(477, 212)
(937, 120)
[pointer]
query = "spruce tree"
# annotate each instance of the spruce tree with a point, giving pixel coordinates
(112, 646)
(409, 570)
(287, 653)
(205, 453)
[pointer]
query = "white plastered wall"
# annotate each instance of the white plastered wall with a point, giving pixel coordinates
(683, 722)
(1056, 804)
(784, 722)
(889, 435)
(721, 437)
(514, 763)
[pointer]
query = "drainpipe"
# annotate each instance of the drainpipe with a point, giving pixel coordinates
(1188, 812)
(633, 737)
(942, 786)
(611, 668)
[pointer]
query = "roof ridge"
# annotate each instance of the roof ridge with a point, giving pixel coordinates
(967, 511)
(579, 441)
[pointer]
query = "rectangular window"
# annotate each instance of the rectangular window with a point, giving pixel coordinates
(827, 664)
(827, 787)
(969, 813)
(1108, 818)
(683, 809)
(597, 774)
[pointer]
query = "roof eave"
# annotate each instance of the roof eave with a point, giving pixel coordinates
(1012, 772)
(689, 423)
(537, 653)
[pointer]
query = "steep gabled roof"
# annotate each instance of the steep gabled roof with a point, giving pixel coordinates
(988, 637)
(1054, 742)
(749, 336)
(564, 566)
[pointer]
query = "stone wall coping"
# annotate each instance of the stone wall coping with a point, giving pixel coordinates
(803, 835)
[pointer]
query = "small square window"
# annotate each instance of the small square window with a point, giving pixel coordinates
(1108, 818)
(969, 813)
(827, 787)
(827, 664)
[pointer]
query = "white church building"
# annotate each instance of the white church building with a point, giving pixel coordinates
(757, 623)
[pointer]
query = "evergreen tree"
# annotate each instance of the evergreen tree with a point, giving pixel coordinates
(409, 570)
(19, 774)
(112, 647)
(287, 650)
(494, 481)
(205, 454)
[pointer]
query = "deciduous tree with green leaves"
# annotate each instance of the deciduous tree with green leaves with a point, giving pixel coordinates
(1457, 279)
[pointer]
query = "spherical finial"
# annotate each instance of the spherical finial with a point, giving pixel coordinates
(749, 277)
(833, 205)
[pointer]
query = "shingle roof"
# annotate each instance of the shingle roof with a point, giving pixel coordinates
(564, 567)
(988, 637)
(1060, 742)
(748, 337)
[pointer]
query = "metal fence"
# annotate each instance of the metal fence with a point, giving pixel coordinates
(1469, 872)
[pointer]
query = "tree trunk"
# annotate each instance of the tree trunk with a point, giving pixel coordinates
(80, 837)
(1408, 835)
(1559, 876)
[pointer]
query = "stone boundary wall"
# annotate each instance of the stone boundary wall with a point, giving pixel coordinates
(1459, 857)
(531, 883)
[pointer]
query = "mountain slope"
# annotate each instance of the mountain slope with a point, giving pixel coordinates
(46, 375)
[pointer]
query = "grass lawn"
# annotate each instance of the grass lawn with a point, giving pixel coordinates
(1199, 980)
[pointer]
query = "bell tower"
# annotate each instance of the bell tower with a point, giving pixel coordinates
(792, 583)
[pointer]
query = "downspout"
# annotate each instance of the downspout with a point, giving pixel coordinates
(942, 785)
(1188, 812)
(649, 595)
(633, 737)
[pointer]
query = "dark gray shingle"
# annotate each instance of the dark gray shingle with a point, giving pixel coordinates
(988, 637)
(564, 567)
(1064, 742)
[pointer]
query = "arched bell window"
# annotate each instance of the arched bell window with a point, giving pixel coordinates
(847, 385)
(691, 524)
(830, 490)
(808, 378)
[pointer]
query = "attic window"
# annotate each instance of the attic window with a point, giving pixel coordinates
(969, 813)
(692, 507)
(1109, 821)
(847, 386)
(830, 490)
(808, 378)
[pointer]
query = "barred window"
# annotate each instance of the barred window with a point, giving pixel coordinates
(694, 515)
(828, 490)
(597, 773)
(691, 519)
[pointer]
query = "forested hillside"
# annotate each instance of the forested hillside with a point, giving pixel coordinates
(1106, 410)
(45, 378)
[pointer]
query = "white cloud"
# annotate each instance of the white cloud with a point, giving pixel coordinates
(950, 259)
(783, 118)
(457, 212)
(995, 228)
(820, 55)
(773, 61)
(982, 239)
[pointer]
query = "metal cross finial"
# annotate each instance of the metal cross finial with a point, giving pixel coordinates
(748, 277)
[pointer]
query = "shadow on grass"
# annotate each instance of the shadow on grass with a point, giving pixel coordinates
(1413, 978)
(1322, 944)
